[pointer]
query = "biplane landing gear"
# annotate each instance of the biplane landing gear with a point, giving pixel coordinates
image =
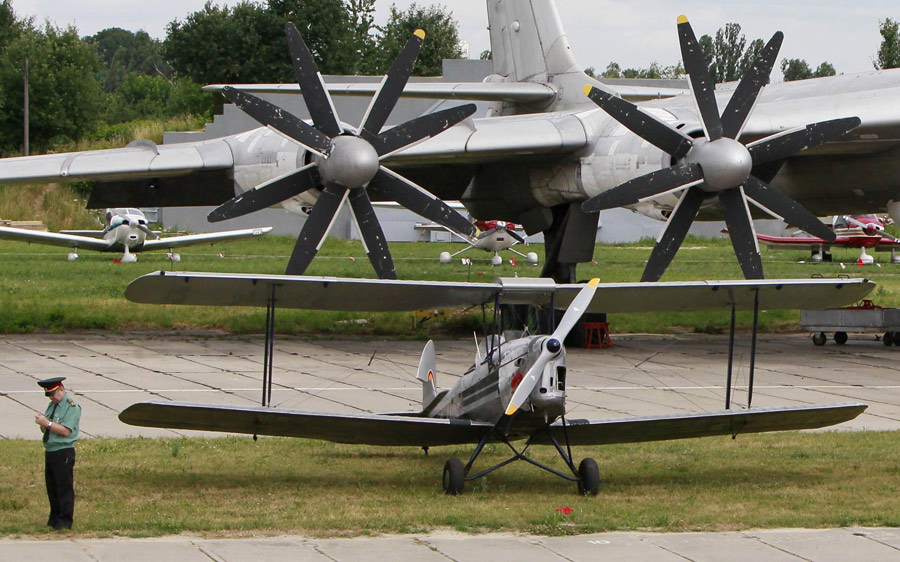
(588, 477)
(454, 477)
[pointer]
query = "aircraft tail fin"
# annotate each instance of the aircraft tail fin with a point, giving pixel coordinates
(528, 42)
(426, 374)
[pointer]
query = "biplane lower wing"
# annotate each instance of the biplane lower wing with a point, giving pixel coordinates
(399, 430)
(362, 429)
(703, 424)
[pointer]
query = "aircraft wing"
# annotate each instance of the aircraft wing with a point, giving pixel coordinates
(141, 159)
(512, 92)
(362, 429)
(54, 239)
(810, 243)
(704, 424)
(206, 238)
(334, 293)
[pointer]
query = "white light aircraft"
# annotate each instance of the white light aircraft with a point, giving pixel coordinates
(544, 156)
(493, 236)
(127, 232)
(515, 392)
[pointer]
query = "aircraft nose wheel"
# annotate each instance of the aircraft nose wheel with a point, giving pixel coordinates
(454, 477)
(588, 477)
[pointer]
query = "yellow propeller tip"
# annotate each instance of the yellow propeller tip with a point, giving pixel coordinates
(420, 33)
(511, 409)
(587, 89)
(593, 282)
(682, 19)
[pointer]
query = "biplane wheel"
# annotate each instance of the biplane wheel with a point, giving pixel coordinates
(454, 477)
(588, 477)
(820, 338)
(840, 338)
(888, 338)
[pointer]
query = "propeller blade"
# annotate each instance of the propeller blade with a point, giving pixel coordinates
(268, 194)
(275, 117)
(643, 125)
(551, 346)
(786, 208)
(372, 236)
(419, 128)
(390, 186)
(744, 97)
(318, 102)
(698, 78)
(673, 235)
(316, 228)
(740, 229)
(515, 235)
(150, 234)
(641, 187)
(782, 145)
(391, 87)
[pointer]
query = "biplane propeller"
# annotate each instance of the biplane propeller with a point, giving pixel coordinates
(514, 392)
(716, 165)
(345, 163)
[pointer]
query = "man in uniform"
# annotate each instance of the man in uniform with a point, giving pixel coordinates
(59, 424)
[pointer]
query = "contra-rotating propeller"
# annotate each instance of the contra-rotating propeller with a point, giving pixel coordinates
(716, 165)
(551, 346)
(346, 163)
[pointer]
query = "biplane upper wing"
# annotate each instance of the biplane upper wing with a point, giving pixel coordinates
(363, 429)
(703, 424)
(333, 293)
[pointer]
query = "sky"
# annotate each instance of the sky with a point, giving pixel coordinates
(632, 33)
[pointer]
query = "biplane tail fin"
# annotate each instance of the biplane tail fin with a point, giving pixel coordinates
(426, 374)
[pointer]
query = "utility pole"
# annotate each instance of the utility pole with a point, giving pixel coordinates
(26, 108)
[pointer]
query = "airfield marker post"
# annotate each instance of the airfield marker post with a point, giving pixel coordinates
(753, 346)
(730, 360)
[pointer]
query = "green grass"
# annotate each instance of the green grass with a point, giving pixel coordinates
(148, 487)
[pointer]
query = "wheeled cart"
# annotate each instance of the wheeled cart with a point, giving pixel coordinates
(866, 318)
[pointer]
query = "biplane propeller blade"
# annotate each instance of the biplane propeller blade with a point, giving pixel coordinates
(717, 164)
(346, 164)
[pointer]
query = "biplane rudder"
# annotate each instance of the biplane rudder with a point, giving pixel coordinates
(426, 374)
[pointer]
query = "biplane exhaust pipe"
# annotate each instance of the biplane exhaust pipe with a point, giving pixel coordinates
(426, 374)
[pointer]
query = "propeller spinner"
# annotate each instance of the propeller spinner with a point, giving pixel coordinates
(716, 165)
(346, 164)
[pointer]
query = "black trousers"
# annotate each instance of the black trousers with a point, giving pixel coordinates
(59, 474)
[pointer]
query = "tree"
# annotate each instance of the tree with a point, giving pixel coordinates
(824, 69)
(122, 52)
(64, 93)
(728, 55)
(10, 26)
(888, 55)
(613, 70)
(441, 38)
(798, 69)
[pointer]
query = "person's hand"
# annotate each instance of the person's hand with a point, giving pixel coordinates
(41, 420)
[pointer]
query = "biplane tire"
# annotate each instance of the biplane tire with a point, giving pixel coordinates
(588, 477)
(840, 338)
(888, 338)
(820, 338)
(454, 477)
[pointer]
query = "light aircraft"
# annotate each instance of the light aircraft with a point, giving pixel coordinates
(860, 231)
(127, 232)
(492, 236)
(544, 156)
(515, 392)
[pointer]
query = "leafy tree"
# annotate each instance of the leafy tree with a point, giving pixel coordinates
(64, 93)
(728, 55)
(486, 55)
(798, 69)
(10, 26)
(753, 52)
(326, 29)
(122, 52)
(441, 39)
(361, 15)
(613, 70)
(888, 55)
(154, 97)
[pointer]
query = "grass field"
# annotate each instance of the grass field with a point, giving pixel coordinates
(148, 487)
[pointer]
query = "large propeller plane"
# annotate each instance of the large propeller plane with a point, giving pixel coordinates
(515, 392)
(543, 156)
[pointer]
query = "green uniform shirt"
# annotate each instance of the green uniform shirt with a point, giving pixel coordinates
(68, 413)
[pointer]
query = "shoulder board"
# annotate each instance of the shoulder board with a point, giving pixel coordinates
(71, 402)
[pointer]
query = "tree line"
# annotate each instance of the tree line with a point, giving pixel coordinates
(83, 87)
(728, 56)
